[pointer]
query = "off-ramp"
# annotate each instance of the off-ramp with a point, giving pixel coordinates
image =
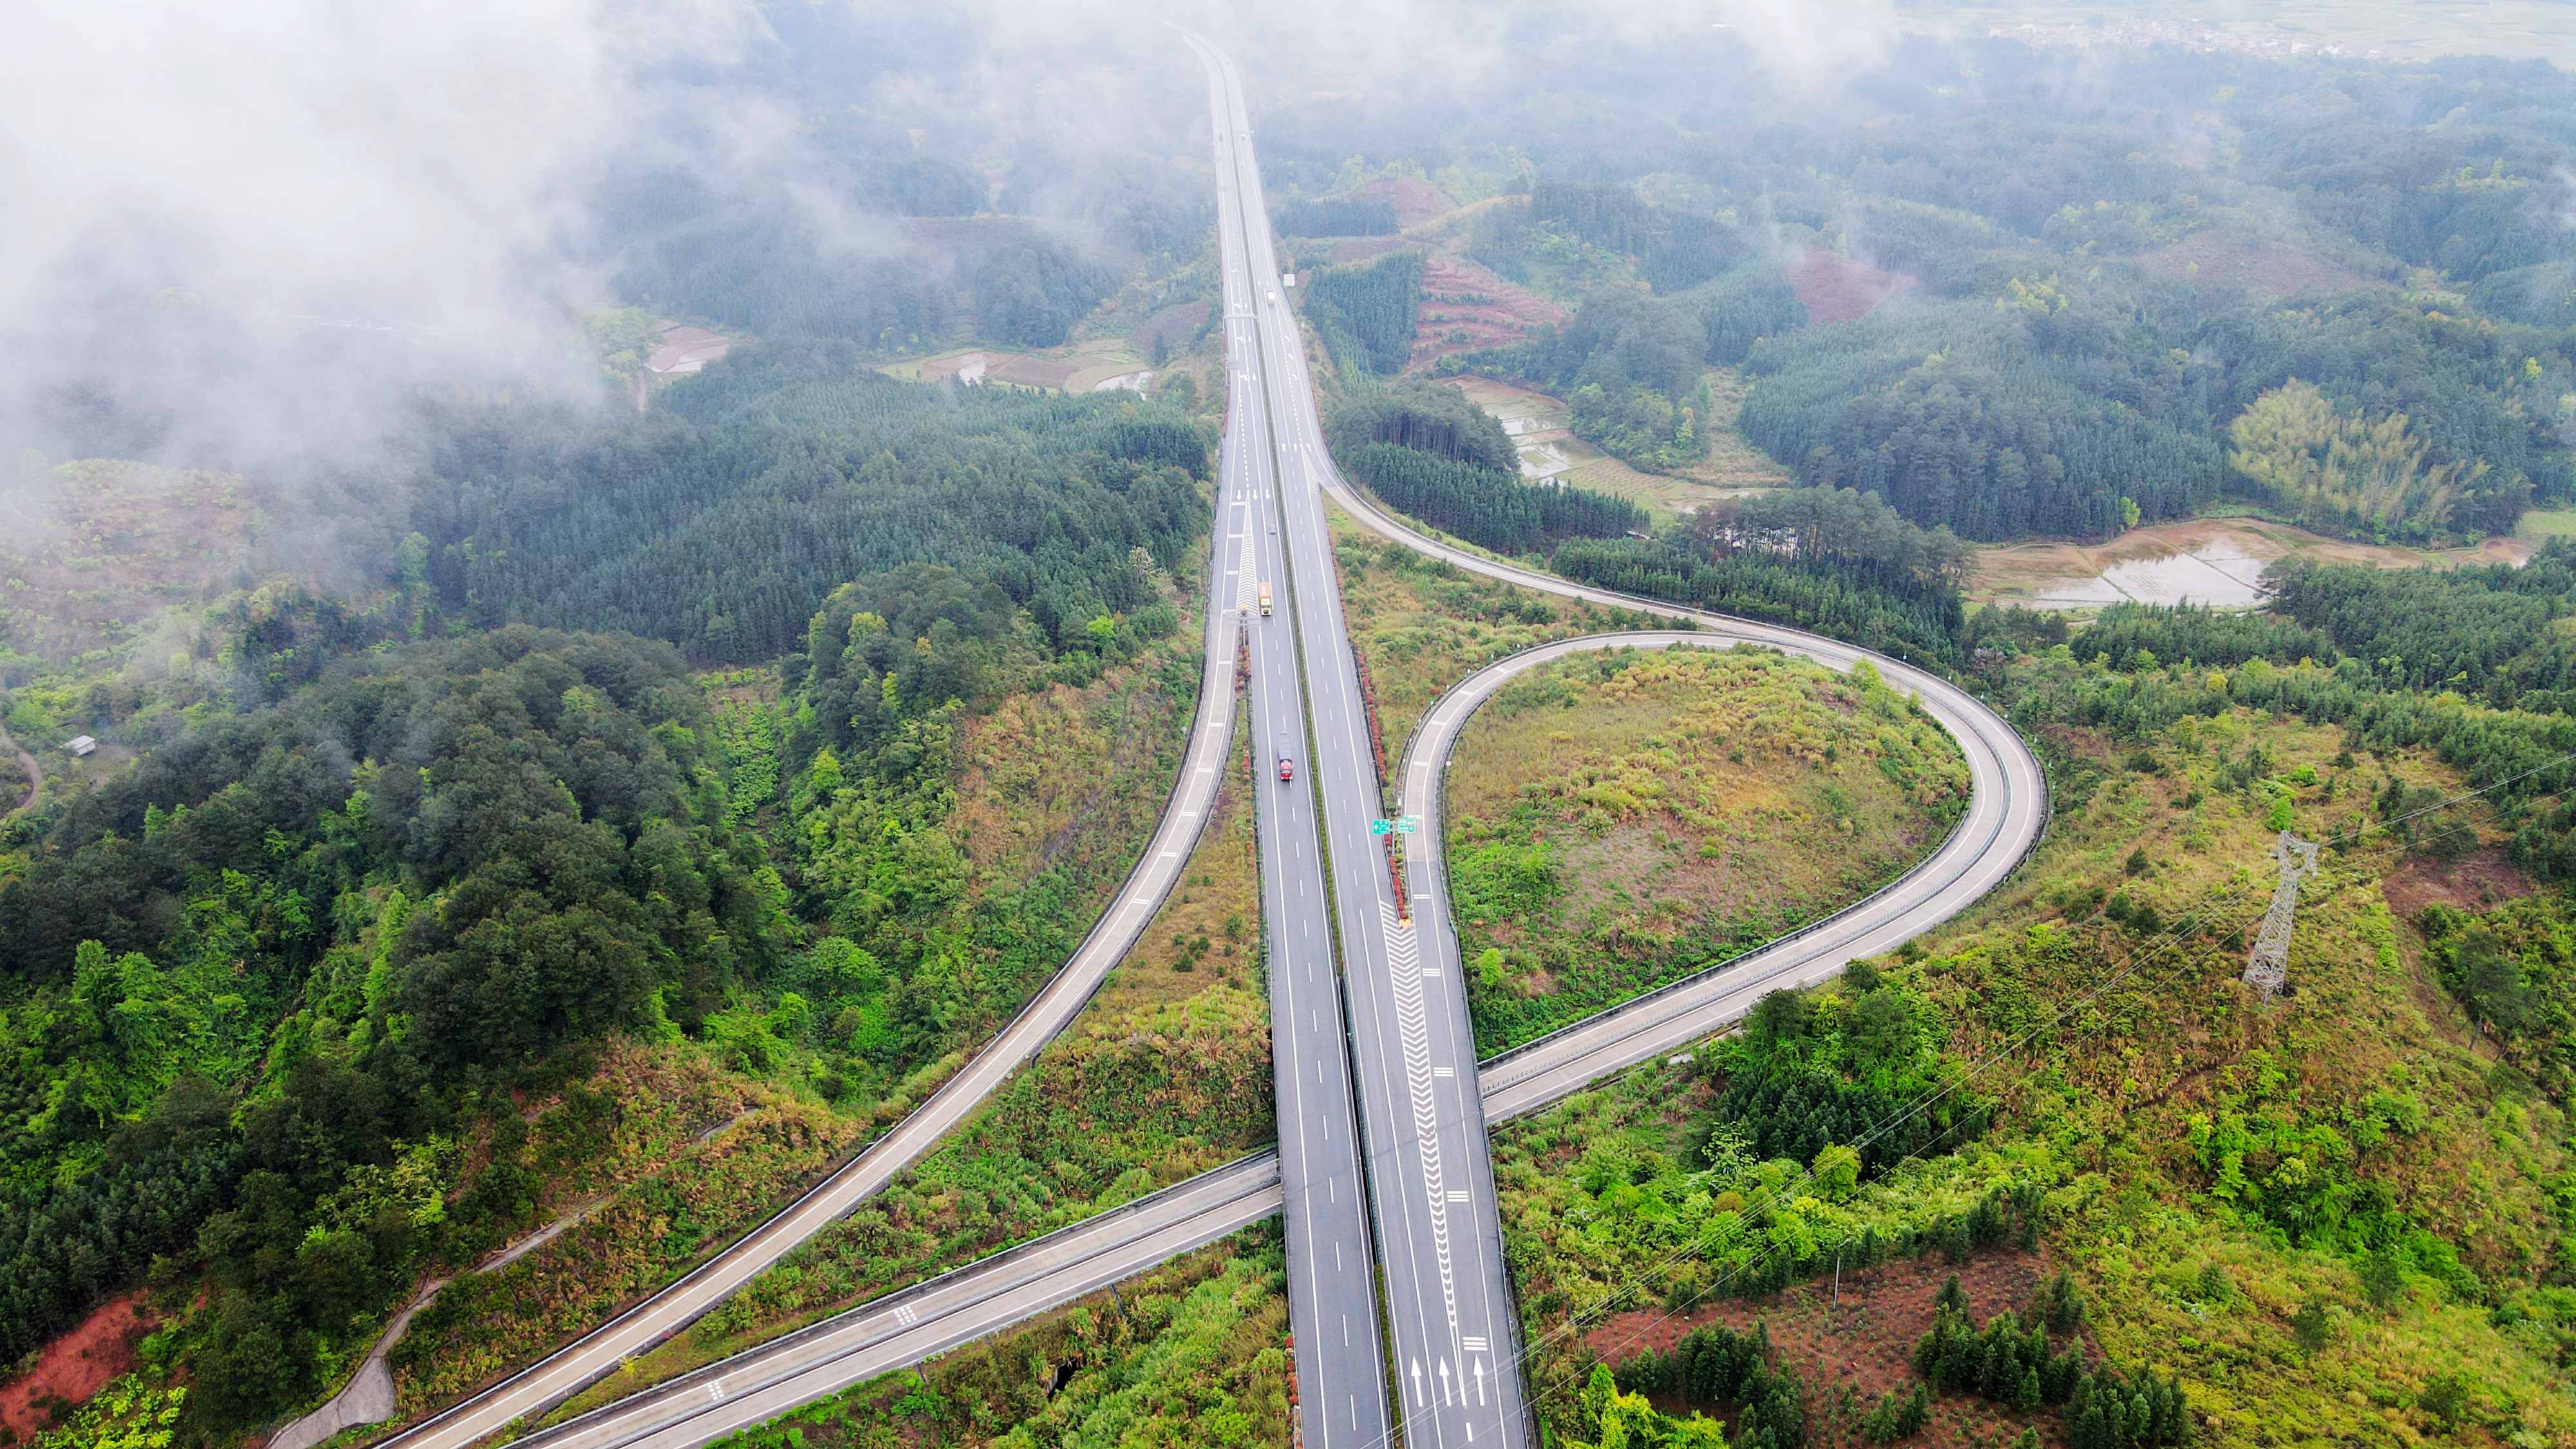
(2003, 821)
(2007, 810)
(565, 1372)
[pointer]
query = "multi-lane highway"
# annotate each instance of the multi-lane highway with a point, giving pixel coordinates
(1438, 1236)
(1332, 1297)
(2007, 809)
(929, 1317)
(1406, 1042)
(2002, 823)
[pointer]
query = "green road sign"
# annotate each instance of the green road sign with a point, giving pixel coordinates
(1409, 824)
(1380, 827)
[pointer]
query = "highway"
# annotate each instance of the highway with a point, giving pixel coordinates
(1434, 1218)
(2001, 824)
(930, 1317)
(557, 1377)
(1438, 1235)
(2007, 809)
(1332, 1295)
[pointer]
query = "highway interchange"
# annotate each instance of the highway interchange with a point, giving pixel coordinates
(1332, 1293)
(1438, 1237)
(1398, 1068)
(2002, 823)
(568, 1370)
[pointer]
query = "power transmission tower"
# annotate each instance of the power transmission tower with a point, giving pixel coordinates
(2269, 965)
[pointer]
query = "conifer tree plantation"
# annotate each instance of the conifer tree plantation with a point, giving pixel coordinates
(2009, 301)
(606, 618)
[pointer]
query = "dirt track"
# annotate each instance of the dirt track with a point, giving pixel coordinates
(35, 772)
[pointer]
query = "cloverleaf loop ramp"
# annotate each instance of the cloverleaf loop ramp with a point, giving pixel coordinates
(2007, 811)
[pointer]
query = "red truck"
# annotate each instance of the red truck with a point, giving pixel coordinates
(1287, 770)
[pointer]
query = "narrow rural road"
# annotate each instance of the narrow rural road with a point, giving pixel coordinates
(27, 762)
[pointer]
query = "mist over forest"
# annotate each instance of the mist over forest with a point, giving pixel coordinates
(595, 595)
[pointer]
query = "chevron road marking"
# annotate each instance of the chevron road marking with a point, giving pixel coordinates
(1413, 1034)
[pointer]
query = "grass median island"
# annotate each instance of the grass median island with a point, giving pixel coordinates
(1165, 1074)
(1191, 1353)
(1622, 819)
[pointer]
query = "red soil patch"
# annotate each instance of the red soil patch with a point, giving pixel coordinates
(1838, 289)
(2477, 881)
(75, 1366)
(2261, 268)
(1465, 308)
(1414, 201)
(1865, 1344)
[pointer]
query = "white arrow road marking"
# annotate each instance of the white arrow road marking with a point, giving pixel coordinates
(1480, 1381)
(1417, 1381)
(1445, 1397)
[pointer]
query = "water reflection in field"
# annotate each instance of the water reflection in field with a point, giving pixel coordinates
(2217, 572)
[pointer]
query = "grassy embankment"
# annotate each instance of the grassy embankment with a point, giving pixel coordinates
(1056, 778)
(2335, 1217)
(1166, 1073)
(1617, 821)
(1192, 1353)
(1421, 627)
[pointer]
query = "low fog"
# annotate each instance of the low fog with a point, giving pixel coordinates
(251, 236)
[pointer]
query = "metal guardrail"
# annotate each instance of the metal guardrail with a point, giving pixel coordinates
(1911, 875)
(1259, 1170)
(715, 1261)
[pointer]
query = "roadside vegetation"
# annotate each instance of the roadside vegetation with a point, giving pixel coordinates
(1193, 1353)
(426, 892)
(1165, 1074)
(1620, 820)
(290, 1000)
(1419, 625)
(2331, 1217)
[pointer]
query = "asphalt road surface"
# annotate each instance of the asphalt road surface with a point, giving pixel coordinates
(1408, 1045)
(565, 1372)
(1332, 1297)
(929, 1317)
(1438, 1236)
(2002, 822)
